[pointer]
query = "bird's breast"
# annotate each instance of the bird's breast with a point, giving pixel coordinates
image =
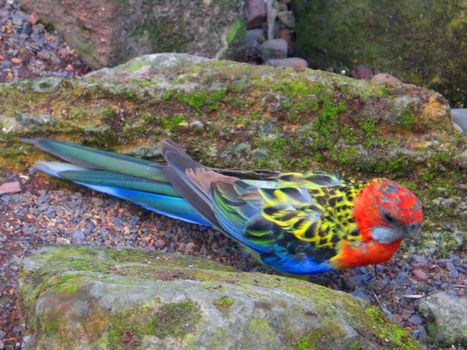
(364, 253)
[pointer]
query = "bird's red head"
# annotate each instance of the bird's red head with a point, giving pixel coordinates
(386, 212)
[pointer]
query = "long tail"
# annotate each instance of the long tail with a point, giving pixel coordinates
(133, 179)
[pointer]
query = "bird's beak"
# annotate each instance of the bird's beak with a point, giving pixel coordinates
(414, 233)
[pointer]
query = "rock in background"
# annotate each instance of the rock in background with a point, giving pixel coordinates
(108, 32)
(79, 297)
(421, 41)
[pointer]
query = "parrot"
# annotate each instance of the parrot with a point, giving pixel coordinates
(296, 223)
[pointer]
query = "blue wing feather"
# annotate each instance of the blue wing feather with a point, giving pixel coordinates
(158, 200)
(174, 207)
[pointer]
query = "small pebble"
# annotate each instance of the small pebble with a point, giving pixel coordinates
(16, 60)
(416, 320)
(419, 275)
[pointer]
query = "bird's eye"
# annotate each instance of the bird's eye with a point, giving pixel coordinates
(389, 218)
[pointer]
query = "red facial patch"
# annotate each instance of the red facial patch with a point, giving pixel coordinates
(385, 197)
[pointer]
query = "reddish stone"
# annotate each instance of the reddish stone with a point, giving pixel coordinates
(16, 60)
(33, 19)
(10, 187)
(420, 275)
(362, 72)
(255, 13)
(424, 266)
(387, 78)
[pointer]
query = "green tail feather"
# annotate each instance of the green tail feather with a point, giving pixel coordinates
(106, 178)
(97, 159)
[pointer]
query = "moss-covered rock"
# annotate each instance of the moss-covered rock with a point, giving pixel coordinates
(229, 114)
(80, 297)
(109, 32)
(419, 41)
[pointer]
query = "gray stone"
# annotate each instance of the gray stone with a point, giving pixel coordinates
(294, 62)
(273, 49)
(459, 118)
(254, 38)
(88, 298)
(446, 319)
(78, 236)
(416, 319)
(108, 32)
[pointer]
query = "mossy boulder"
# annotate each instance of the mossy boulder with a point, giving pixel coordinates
(419, 41)
(109, 32)
(234, 115)
(87, 298)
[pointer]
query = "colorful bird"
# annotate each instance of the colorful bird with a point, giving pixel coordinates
(296, 223)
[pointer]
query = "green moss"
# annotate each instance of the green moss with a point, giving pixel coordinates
(261, 328)
(109, 114)
(134, 65)
(66, 283)
(346, 156)
(166, 320)
(327, 123)
(173, 122)
(167, 95)
(407, 119)
(371, 132)
(114, 337)
(349, 135)
(295, 88)
(176, 320)
(51, 327)
(223, 304)
(303, 344)
(235, 31)
(396, 335)
(200, 99)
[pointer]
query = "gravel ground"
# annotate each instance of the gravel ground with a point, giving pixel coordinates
(28, 50)
(47, 212)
